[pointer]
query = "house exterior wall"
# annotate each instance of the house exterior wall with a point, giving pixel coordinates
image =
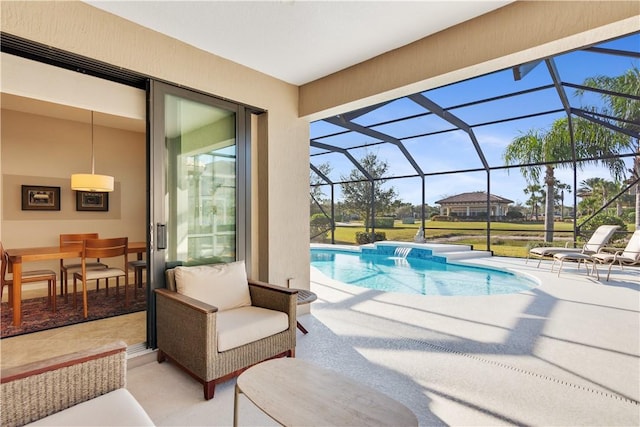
(473, 209)
(282, 191)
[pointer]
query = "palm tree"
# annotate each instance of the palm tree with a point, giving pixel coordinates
(601, 190)
(561, 187)
(553, 147)
(594, 188)
(624, 108)
(536, 196)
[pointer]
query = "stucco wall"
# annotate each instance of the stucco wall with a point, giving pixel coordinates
(520, 32)
(82, 29)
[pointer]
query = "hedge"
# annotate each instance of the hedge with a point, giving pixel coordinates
(362, 238)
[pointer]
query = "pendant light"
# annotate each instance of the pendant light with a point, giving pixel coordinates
(91, 182)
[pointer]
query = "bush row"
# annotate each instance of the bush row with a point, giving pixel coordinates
(362, 238)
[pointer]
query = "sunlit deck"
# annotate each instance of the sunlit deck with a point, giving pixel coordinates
(564, 353)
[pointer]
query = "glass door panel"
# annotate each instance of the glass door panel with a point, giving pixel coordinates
(198, 182)
(201, 176)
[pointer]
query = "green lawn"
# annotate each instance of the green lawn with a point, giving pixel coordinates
(513, 243)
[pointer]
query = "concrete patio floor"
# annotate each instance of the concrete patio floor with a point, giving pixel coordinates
(564, 353)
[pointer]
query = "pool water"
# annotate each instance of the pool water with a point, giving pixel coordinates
(422, 274)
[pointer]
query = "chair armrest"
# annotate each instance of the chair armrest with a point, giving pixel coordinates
(274, 297)
(277, 288)
(188, 301)
(186, 330)
(39, 389)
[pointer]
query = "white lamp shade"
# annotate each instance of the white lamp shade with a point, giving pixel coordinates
(91, 182)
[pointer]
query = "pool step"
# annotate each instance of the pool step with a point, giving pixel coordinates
(457, 255)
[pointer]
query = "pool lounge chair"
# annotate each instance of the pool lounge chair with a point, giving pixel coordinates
(579, 257)
(600, 237)
(630, 255)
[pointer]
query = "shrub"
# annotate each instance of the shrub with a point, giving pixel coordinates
(514, 215)
(319, 227)
(605, 219)
(443, 218)
(629, 216)
(383, 222)
(362, 238)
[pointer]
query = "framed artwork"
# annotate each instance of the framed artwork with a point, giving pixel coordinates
(39, 198)
(92, 201)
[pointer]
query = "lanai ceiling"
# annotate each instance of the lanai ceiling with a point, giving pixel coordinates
(298, 41)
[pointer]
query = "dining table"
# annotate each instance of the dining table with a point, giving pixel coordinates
(21, 255)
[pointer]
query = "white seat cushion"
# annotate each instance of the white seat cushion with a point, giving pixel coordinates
(29, 274)
(549, 251)
(103, 273)
(91, 265)
(243, 325)
(117, 408)
(222, 285)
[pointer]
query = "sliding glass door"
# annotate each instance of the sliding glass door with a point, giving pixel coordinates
(199, 196)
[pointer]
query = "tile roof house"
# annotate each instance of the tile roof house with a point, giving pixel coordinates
(474, 204)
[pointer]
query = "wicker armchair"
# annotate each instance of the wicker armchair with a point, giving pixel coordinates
(79, 389)
(187, 333)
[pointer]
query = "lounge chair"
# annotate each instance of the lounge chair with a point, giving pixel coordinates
(630, 255)
(600, 237)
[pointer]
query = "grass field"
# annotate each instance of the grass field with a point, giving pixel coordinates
(507, 239)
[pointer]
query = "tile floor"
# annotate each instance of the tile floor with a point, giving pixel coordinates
(565, 353)
(130, 328)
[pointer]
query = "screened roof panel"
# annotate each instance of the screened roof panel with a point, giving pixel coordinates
(444, 152)
(497, 108)
(427, 123)
(495, 138)
(488, 86)
(313, 151)
(576, 67)
(348, 139)
(397, 109)
(338, 163)
(321, 128)
(500, 109)
(391, 154)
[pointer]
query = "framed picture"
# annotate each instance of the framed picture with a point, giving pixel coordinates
(92, 201)
(38, 198)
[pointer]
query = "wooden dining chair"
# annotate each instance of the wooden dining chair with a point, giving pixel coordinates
(68, 240)
(6, 279)
(102, 248)
(138, 266)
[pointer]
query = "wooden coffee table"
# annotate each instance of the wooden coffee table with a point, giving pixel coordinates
(297, 393)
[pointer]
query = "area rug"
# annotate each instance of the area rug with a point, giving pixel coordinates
(37, 314)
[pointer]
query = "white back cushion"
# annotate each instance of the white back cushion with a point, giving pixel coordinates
(221, 285)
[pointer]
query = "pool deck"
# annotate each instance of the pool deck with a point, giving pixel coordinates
(566, 353)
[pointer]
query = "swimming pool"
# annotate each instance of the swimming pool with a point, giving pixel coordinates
(415, 271)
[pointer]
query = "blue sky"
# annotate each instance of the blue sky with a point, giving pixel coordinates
(454, 150)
